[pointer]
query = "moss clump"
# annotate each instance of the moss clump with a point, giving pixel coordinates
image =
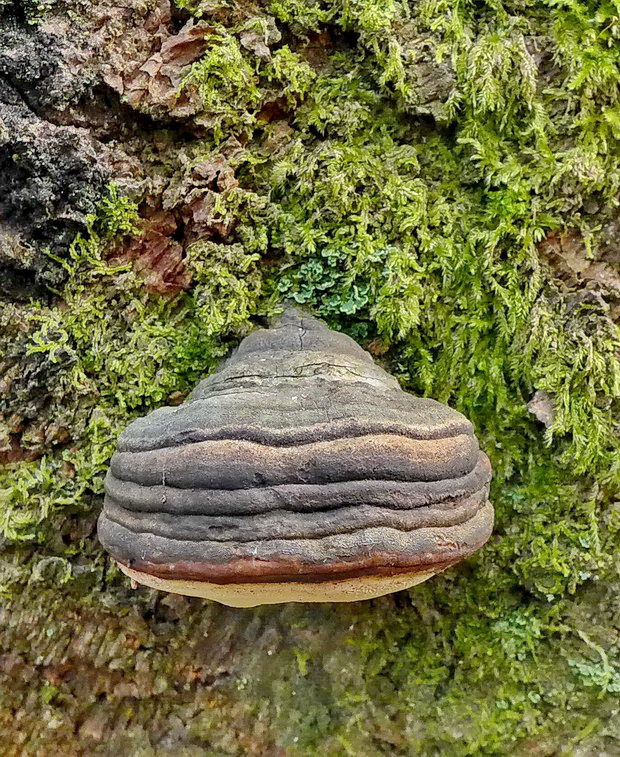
(397, 166)
(238, 75)
(34, 10)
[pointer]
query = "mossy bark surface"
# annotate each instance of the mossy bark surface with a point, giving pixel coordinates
(438, 179)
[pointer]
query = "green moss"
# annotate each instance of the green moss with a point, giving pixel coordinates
(36, 10)
(233, 83)
(226, 83)
(294, 74)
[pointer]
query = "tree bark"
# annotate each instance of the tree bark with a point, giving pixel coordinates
(438, 180)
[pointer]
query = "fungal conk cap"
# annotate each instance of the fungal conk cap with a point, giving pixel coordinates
(299, 471)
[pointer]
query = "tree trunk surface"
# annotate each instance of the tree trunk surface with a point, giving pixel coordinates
(440, 181)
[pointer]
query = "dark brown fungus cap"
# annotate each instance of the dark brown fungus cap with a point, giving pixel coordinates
(299, 471)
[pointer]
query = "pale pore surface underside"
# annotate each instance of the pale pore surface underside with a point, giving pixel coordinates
(252, 595)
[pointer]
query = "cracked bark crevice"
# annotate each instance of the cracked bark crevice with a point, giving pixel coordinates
(53, 171)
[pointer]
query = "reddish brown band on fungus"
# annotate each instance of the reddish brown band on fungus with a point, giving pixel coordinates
(276, 571)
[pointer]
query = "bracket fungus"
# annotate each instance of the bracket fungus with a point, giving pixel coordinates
(298, 471)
